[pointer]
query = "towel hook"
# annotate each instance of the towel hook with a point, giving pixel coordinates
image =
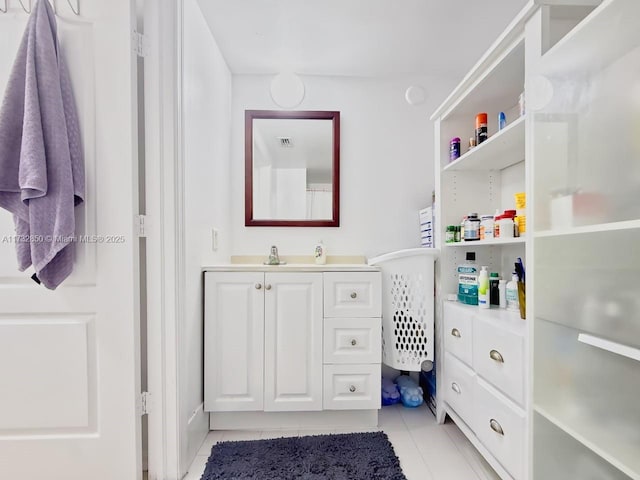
(6, 8)
(76, 10)
(25, 8)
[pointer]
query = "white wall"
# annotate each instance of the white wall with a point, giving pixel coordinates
(207, 131)
(386, 164)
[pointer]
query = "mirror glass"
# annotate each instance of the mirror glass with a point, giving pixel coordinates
(292, 168)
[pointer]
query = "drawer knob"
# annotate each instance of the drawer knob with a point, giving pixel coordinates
(495, 426)
(352, 388)
(258, 286)
(456, 333)
(267, 287)
(354, 294)
(354, 342)
(497, 356)
(456, 388)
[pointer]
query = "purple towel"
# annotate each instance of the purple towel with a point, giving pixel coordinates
(41, 164)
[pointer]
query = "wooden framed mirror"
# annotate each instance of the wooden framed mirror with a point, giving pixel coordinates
(292, 168)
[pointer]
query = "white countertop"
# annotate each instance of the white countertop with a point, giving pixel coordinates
(291, 267)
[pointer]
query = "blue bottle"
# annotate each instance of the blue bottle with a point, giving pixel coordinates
(502, 121)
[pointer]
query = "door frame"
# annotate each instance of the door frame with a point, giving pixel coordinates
(164, 172)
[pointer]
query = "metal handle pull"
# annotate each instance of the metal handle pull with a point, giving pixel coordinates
(496, 427)
(267, 287)
(496, 355)
(354, 342)
(352, 388)
(354, 294)
(258, 286)
(456, 388)
(455, 332)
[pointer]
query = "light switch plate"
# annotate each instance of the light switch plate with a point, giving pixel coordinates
(215, 234)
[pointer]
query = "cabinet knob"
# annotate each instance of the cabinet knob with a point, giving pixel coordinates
(354, 342)
(496, 427)
(354, 294)
(258, 286)
(497, 356)
(456, 388)
(456, 333)
(352, 388)
(267, 287)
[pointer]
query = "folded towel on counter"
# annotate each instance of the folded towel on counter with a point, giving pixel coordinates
(41, 164)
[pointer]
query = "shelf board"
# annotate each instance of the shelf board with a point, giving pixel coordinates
(599, 227)
(492, 242)
(500, 151)
(605, 35)
(601, 439)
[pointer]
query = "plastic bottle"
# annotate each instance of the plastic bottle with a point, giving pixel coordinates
(454, 149)
(468, 281)
(472, 227)
(496, 224)
(494, 293)
(512, 294)
(502, 121)
(502, 292)
(483, 288)
(320, 253)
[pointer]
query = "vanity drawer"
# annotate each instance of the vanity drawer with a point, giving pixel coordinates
(458, 323)
(500, 426)
(352, 294)
(459, 387)
(352, 387)
(352, 340)
(498, 357)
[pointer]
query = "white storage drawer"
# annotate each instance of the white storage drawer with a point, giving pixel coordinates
(500, 426)
(352, 294)
(458, 330)
(498, 357)
(459, 387)
(352, 387)
(352, 340)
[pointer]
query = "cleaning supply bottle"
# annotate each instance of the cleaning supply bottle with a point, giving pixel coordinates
(502, 293)
(483, 288)
(468, 281)
(320, 253)
(494, 292)
(512, 294)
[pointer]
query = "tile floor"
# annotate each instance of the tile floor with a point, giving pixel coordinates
(427, 451)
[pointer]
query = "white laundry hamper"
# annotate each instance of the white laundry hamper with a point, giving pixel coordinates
(407, 307)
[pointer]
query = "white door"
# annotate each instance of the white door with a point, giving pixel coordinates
(293, 342)
(234, 341)
(69, 359)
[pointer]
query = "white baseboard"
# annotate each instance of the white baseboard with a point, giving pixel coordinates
(292, 420)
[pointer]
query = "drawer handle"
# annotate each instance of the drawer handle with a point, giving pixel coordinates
(258, 286)
(456, 333)
(352, 388)
(497, 356)
(496, 427)
(354, 342)
(456, 388)
(354, 294)
(267, 287)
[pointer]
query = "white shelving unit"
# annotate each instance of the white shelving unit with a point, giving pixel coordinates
(585, 226)
(474, 388)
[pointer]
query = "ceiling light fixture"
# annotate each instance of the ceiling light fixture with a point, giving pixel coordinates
(287, 90)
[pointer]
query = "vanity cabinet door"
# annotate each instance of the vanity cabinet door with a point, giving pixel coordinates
(293, 342)
(234, 341)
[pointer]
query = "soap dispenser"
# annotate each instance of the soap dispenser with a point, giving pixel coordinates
(320, 253)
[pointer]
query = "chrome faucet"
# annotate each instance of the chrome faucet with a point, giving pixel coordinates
(274, 259)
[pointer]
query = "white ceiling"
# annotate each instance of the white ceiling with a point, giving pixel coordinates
(356, 37)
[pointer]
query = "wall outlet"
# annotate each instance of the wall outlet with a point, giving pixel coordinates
(215, 234)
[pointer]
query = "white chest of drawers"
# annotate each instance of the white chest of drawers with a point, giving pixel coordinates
(484, 382)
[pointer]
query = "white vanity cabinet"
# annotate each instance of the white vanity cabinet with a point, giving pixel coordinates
(303, 339)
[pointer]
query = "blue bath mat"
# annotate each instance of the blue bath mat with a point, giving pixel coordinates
(352, 456)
